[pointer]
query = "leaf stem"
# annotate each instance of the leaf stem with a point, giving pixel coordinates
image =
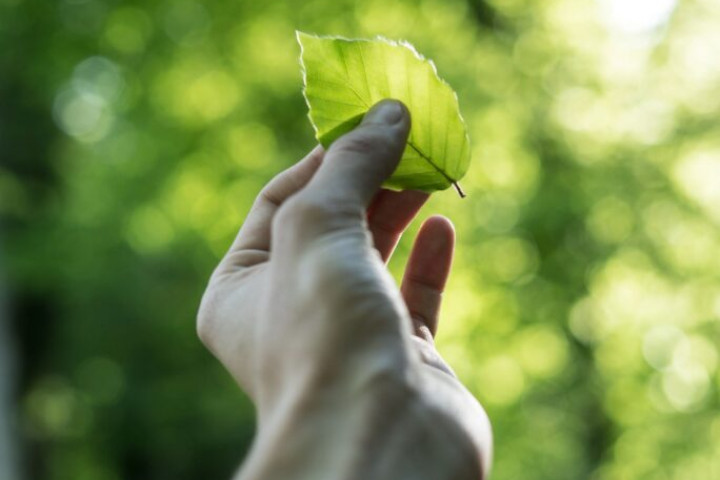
(459, 189)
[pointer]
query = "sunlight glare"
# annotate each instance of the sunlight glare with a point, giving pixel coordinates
(636, 16)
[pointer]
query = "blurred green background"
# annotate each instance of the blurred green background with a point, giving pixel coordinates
(584, 308)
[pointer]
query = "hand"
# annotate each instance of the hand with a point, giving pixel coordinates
(305, 316)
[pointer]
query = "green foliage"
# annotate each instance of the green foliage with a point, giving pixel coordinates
(344, 78)
(584, 305)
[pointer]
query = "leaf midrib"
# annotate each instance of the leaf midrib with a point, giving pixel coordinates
(432, 164)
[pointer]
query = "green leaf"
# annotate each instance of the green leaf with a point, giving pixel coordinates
(344, 78)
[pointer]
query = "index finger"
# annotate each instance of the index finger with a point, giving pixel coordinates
(252, 242)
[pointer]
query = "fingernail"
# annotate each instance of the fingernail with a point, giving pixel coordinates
(388, 112)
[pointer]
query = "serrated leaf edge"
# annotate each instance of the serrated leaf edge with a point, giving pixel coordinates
(419, 56)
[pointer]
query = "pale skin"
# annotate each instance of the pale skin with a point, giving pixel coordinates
(341, 363)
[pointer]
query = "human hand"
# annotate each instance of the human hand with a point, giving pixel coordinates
(303, 312)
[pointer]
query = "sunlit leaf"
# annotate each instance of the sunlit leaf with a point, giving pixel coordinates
(344, 78)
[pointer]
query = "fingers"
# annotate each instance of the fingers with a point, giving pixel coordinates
(389, 215)
(359, 162)
(253, 240)
(427, 272)
(352, 171)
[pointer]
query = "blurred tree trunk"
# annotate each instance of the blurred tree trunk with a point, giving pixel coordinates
(8, 439)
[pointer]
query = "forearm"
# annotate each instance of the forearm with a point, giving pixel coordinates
(389, 433)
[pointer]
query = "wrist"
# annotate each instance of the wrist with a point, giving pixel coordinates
(386, 430)
(324, 432)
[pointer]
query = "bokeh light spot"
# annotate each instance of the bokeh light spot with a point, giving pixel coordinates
(636, 16)
(659, 343)
(82, 115)
(98, 76)
(186, 22)
(502, 379)
(611, 220)
(149, 230)
(541, 351)
(507, 258)
(55, 409)
(685, 388)
(197, 93)
(101, 379)
(128, 30)
(697, 175)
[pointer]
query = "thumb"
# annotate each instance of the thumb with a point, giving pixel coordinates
(356, 164)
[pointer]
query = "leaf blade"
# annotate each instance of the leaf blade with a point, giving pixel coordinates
(343, 78)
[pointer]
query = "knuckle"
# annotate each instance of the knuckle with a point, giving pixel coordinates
(268, 194)
(420, 327)
(305, 208)
(357, 143)
(430, 357)
(369, 139)
(304, 212)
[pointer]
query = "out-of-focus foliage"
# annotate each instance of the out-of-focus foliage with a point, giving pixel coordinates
(584, 309)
